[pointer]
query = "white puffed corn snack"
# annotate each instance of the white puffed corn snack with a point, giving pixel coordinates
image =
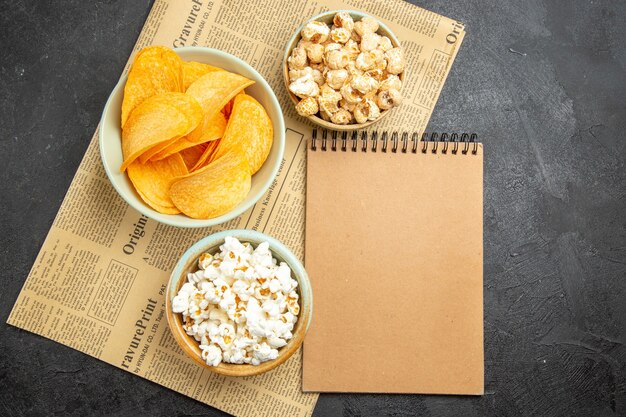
(387, 99)
(366, 110)
(298, 58)
(241, 305)
(336, 78)
(341, 117)
(307, 107)
(304, 87)
(395, 60)
(336, 59)
(340, 35)
(364, 84)
(369, 41)
(315, 52)
(344, 20)
(316, 32)
(392, 81)
(347, 73)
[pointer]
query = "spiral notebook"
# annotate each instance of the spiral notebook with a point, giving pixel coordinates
(394, 250)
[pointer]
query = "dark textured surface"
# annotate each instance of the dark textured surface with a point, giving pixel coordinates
(544, 84)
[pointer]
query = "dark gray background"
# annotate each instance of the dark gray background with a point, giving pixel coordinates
(542, 82)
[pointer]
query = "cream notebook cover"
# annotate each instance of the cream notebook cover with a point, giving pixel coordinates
(394, 251)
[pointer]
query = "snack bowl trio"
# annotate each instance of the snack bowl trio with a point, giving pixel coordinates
(238, 302)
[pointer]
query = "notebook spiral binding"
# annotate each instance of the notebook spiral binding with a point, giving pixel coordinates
(452, 142)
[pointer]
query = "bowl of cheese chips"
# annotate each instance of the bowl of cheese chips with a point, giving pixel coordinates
(191, 137)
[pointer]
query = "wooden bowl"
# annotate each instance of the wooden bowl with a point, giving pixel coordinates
(327, 17)
(189, 263)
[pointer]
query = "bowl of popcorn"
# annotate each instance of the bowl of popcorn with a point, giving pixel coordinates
(344, 70)
(239, 303)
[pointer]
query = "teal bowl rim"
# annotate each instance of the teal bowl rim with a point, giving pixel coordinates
(276, 247)
(188, 222)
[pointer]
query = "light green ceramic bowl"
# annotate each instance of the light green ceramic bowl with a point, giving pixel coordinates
(189, 263)
(110, 140)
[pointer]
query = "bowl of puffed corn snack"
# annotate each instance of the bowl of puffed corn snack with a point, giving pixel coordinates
(239, 303)
(344, 70)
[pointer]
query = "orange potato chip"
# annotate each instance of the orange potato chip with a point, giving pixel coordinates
(228, 108)
(152, 181)
(250, 129)
(155, 69)
(215, 89)
(215, 189)
(207, 156)
(193, 70)
(209, 129)
(149, 155)
(213, 130)
(192, 155)
(160, 119)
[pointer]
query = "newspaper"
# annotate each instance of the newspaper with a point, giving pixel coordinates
(99, 280)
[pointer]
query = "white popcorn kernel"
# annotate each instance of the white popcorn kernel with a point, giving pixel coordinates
(276, 342)
(341, 117)
(336, 78)
(271, 308)
(228, 300)
(304, 87)
(340, 35)
(369, 41)
(315, 52)
(274, 285)
(395, 60)
(298, 58)
(211, 354)
(263, 352)
(336, 59)
(233, 245)
(316, 32)
(180, 303)
(307, 107)
(387, 99)
(196, 313)
(218, 315)
(212, 271)
(188, 288)
(384, 44)
(344, 20)
(366, 110)
(240, 287)
(205, 260)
